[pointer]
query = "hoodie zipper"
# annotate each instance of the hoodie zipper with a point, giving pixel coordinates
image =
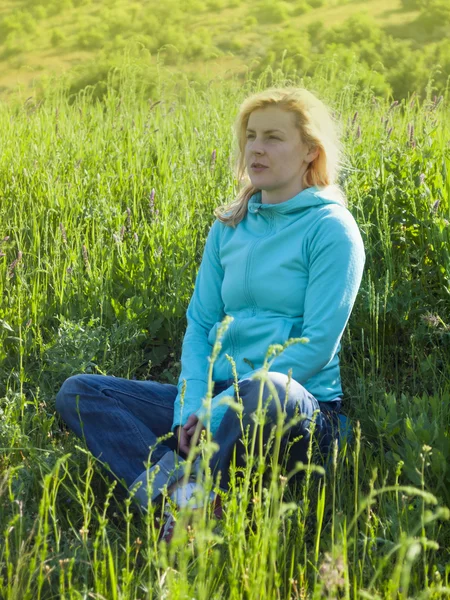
(248, 296)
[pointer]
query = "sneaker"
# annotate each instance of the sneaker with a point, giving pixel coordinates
(184, 495)
(169, 472)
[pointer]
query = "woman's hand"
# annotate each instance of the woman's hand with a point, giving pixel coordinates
(185, 433)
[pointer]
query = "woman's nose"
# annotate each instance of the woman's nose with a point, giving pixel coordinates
(257, 147)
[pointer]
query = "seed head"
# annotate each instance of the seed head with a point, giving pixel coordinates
(393, 105)
(86, 257)
(14, 264)
(63, 233)
(435, 206)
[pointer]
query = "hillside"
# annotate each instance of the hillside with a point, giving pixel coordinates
(85, 38)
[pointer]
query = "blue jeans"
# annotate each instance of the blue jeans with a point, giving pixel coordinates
(121, 419)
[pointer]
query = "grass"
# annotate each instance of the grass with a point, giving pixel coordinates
(95, 275)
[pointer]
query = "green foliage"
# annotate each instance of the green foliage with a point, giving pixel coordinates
(356, 29)
(92, 37)
(270, 13)
(104, 211)
(57, 37)
(435, 14)
(301, 8)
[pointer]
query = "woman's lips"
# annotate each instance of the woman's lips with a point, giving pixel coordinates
(258, 169)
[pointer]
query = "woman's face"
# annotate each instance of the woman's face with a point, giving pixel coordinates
(275, 155)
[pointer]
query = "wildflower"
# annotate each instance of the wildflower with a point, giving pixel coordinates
(431, 320)
(358, 132)
(14, 264)
(122, 233)
(332, 573)
(389, 132)
(63, 233)
(128, 219)
(213, 158)
(411, 140)
(153, 210)
(69, 270)
(85, 257)
(422, 178)
(393, 105)
(435, 206)
(437, 101)
(136, 237)
(116, 238)
(355, 116)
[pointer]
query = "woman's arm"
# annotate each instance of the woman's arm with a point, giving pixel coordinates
(336, 263)
(204, 310)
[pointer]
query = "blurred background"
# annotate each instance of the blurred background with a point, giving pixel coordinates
(394, 47)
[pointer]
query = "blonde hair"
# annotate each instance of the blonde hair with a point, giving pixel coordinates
(317, 130)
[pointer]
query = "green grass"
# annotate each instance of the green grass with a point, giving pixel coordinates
(101, 285)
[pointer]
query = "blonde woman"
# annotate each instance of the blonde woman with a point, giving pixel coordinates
(285, 260)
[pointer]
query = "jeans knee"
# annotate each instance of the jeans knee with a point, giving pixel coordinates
(273, 394)
(68, 392)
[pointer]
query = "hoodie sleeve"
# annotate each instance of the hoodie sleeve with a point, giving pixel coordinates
(336, 263)
(204, 310)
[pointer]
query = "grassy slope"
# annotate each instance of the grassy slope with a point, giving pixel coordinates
(39, 58)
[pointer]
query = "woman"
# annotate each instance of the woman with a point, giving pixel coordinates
(285, 260)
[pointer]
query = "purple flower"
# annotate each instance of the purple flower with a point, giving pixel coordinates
(151, 203)
(393, 105)
(14, 264)
(435, 206)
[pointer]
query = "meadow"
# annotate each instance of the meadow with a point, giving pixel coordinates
(104, 210)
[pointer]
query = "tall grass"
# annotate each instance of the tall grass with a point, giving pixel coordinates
(104, 209)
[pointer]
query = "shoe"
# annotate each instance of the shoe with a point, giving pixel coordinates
(166, 472)
(184, 495)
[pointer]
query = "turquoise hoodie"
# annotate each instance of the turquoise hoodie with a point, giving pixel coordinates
(287, 270)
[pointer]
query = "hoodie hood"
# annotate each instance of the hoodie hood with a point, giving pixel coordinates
(313, 196)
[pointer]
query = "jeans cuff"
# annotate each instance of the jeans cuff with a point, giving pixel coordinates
(170, 470)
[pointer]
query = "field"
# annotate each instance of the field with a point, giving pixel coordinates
(116, 146)
(95, 274)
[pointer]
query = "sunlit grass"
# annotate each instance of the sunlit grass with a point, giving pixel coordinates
(95, 276)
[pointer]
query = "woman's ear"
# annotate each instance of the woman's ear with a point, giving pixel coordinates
(312, 155)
